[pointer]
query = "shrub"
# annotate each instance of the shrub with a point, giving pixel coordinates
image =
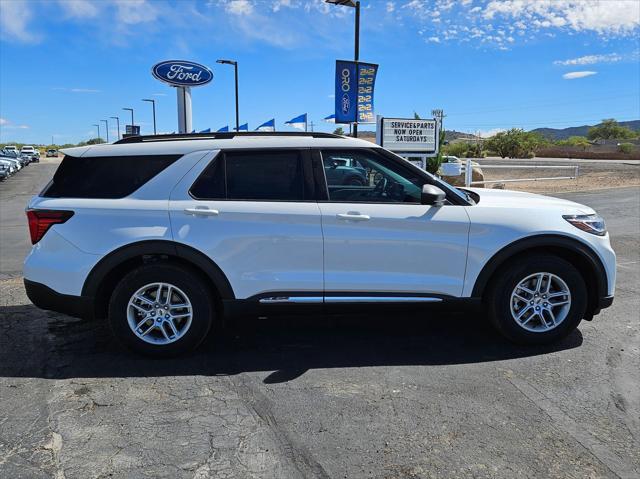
(625, 147)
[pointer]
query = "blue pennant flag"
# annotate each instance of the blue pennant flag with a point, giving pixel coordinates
(244, 127)
(193, 131)
(268, 125)
(223, 129)
(330, 118)
(208, 130)
(299, 122)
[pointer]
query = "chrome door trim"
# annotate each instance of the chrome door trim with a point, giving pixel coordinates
(381, 299)
(292, 300)
(347, 299)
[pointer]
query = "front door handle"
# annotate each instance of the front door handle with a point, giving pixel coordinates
(353, 216)
(200, 211)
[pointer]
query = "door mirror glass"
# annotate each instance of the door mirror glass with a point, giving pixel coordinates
(432, 195)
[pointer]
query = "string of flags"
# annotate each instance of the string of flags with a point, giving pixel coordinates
(300, 122)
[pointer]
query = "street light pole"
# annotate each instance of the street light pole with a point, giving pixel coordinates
(117, 119)
(153, 103)
(98, 126)
(356, 55)
(131, 110)
(235, 69)
(106, 123)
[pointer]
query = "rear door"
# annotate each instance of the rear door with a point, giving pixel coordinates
(253, 212)
(379, 238)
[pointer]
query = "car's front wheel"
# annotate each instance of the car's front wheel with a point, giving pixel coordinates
(537, 300)
(161, 310)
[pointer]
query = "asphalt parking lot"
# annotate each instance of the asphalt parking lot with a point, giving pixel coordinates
(383, 397)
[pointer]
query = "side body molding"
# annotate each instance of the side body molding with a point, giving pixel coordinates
(151, 248)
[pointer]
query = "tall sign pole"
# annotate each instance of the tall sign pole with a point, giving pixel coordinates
(183, 95)
(357, 55)
(182, 75)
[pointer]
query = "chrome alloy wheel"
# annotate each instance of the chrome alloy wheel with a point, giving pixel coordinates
(540, 302)
(159, 313)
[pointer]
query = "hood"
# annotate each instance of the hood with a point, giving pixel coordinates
(520, 199)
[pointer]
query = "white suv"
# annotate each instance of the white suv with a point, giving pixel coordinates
(166, 235)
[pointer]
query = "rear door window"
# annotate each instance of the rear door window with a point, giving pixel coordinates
(261, 175)
(104, 176)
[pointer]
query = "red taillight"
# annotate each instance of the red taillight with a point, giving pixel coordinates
(41, 220)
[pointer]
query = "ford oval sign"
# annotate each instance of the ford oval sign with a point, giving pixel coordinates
(182, 73)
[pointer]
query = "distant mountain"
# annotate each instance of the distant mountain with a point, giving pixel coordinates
(564, 133)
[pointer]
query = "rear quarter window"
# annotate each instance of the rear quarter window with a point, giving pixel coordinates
(104, 176)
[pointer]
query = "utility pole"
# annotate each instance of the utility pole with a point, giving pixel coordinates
(106, 123)
(235, 69)
(153, 103)
(117, 119)
(131, 110)
(311, 125)
(356, 55)
(98, 126)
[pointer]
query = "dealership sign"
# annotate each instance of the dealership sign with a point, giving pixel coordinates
(182, 73)
(408, 135)
(355, 83)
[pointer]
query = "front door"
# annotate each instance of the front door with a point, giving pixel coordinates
(379, 239)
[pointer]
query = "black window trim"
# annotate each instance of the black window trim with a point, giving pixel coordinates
(307, 174)
(451, 198)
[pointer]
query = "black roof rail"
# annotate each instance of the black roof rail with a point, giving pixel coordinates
(221, 136)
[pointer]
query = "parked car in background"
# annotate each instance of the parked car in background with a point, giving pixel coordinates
(27, 150)
(35, 157)
(11, 148)
(345, 171)
(14, 162)
(51, 153)
(8, 167)
(4, 170)
(165, 235)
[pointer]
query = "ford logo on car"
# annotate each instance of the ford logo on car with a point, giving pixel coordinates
(182, 73)
(346, 103)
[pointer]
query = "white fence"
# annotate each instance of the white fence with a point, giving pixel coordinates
(468, 173)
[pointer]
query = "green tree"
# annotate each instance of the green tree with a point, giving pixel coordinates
(338, 131)
(609, 129)
(576, 141)
(515, 143)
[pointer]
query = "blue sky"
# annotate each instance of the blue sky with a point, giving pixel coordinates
(65, 65)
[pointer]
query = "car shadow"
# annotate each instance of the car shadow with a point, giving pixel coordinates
(35, 343)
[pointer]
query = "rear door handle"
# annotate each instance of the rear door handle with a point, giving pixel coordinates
(352, 216)
(200, 211)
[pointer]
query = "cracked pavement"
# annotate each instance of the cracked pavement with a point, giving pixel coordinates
(307, 397)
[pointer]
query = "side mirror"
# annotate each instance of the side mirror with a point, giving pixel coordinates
(432, 195)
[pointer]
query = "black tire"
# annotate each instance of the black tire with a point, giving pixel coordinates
(354, 181)
(498, 298)
(189, 282)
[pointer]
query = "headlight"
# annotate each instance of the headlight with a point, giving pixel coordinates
(593, 224)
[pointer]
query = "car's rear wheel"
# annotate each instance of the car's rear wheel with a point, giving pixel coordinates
(161, 310)
(538, 299)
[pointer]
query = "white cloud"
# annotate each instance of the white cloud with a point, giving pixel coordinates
(433, 39)
(574, 75)
(593, 59)
(159, 94)
(390, 7)
(14, 22)
(490, 133)
(77, 90)
(4, 121)
(7, 125)
(132, 12)
(79, 8)
(239, 7)
(278, 4)
(610, 17)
